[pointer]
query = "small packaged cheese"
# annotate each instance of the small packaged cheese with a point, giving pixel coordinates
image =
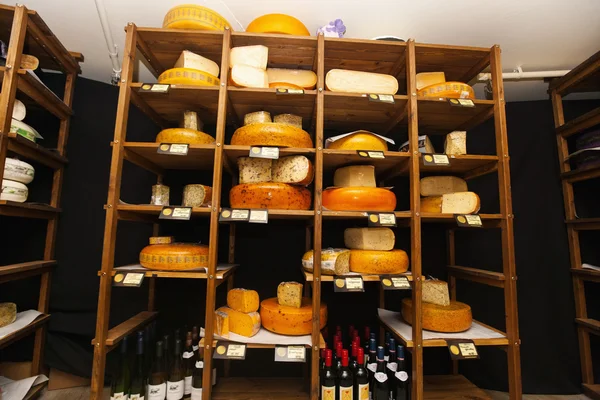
(253, 56)
(187, 59)
(456, 143)
(369, 238)
(436, 292)
(289, 294)
(247, 76)
(355, 176)
(255, 170)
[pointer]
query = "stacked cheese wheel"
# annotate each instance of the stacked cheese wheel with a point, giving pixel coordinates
(189, 133)
(342, 80)
(358, 140)
(447, 195)
(16, 174)
(191, 69)
(163, 255)
(433, 84)
(240, 316)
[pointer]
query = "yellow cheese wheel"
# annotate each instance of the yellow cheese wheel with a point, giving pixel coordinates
(183, 135)
(243, 324)
(271, 134)
(278, 23)
(378, 261)
(243, 300)
(453, 90)
(270, 195)
(174, 257)
(361, 140)
(286, 320)
(453, 318)
(187, 76)
(359, 199)
(193, 17)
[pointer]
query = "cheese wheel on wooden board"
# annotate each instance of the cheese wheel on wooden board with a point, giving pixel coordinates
(278, 23)
(294, 170)
(253, 56)
(271, 134)
(378, 262)
(439, 185)
(302, 78)
(247, 76)
(243, 300)
(255, 170)
(359, 141)
(425, 79)
(456, 317)
(286, 320)
(183, 135)
(333, 261)
(187, 76)
(174, 257)
(355, 176)
(270, 195)
(193, 17)
(343, 80)
(435, 292)
(451, 203)
(187, 59)
(369, 238)
(456, 143)
(451, 90)
(359, 199)
(243, 324)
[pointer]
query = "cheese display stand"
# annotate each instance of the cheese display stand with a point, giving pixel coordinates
(583, 78)
(24, 29)
(227, 107)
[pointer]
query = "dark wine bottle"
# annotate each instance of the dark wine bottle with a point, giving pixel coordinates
(328, 379)
(189, 362)
(354, 357)
(392, 367)
(120, 388)
(372, 362)
(137, 390)
(386, 343)
(361, 377)
(322, 363)
(175, 381)
(167, 349)
(195, 341)
(197, 375)
(338, 357)
(381, 387)
(157, 383)
(401, 381)
(367, 338)
(345, 379)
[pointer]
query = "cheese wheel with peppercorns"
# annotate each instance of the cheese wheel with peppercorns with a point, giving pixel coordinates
(286, 320)
(270, 195)
(271, 134)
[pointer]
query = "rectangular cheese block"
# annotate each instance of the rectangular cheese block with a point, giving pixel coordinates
(247, 76)
(300, 77)
(253, 56)
(439, 185)
(187, 59)
(289, 294)
(369, 238)
(355, 176)
(456, 143)
(429, 78)
(436, 292)
(243, 324)
(191, 121)
(343, 80)
(452, 203)
(243, 300)
(221, 324)
(255, 170)
(294, 170)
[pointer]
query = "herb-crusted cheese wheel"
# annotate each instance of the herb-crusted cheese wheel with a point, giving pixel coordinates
(174, 257)
(271, 134)
(369, 238)
(295, 170)
(187, 76)
(243, 300)
(255, 170)
(193, 17)
(196, 195)
(333, 261)
(452, 90)
(361, 140)
(452, 203)
(359, 199)
(243, 324)
(378, 262)
(278, 23)
(183, 135)
(270, 195)
(456, 317)
(285, 320)
(439, 185)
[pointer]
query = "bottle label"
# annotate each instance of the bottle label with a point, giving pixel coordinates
(386, 358)
(392, 367)
(363, 391)
(119, 396)
(187, 385)
(402, 375)
(327, 392)
(136, 397)
(157, 392)
(188, 354)
(346, 393)
(372, 367)
(381, 376)
(196, 394)
(199, 364)
(175, 390)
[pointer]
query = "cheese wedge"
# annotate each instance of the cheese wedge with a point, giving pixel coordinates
(253, 56)
(289, 119)
(187, 59)
(342, 80)
(289, 294)
(244, 324)
(439, 185)
(369, 238)
(243, 300)
(247, 76)
(294, 170)
(436, 292)
(452, 203)
(300, 77)
(429, 78)
(221, 324)
(254, 170)
(258, 117)
(456, 143)
(355, 175)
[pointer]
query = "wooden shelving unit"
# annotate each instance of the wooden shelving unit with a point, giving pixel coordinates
(322, 112)
(21, 29)
(583, 78)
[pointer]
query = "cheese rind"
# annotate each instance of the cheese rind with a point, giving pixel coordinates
(243, 324)
(456, 143)
(294, 170)
(450, 90)
(271, 134)
(378, 262)
(299, 77)
(451, 203)
(361, 140)
(333, 261)
(369, 239)
(436, 292)
(270, 195)
(355, 176)
(183, 135)
(456, 317)
(189, 16)
(243, 300)
(187, 59)
(187, 76)
(253, 56)
(359, 199)
(175, 256)
(429, 78)
(439, 185)
(221, 323)
(247, 76)
(285, 320)
(342, 80)
(290, 294)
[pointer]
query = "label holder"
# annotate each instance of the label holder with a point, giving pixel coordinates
(264, 152)
(348, 284)
(290, 353)
(437, 160)
(370, 154)
(468, 220)
(462, 103)
(128, 279)
(462, 349)
(173, 149)
(285, 91)
(230, 351)
(395, 282)
(154, 88)
(381, 98)
(176, 213)
(381, 219)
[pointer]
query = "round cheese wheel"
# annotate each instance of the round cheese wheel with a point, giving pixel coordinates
(187, 76)
(183, 135)
(174, 257)
(271, 134)
(359, 199)
(453, 90)
(18, 171)
(278, 23)
(359, 141)
(378, 261)
(270, 195)
(193, 17)
(453, 318)
(13, 191)
(287, 320)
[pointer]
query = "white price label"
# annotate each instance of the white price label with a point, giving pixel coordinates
(236, 350)
(354, 283)
(296, 352)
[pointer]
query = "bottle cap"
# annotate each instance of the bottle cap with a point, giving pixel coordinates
(367, 333)
(400, 351)
(354, 349)
(380, 353)
(328, 358)
(338, 349)
(372, 345)
(392, 342)
(344, 358)
(360, 358)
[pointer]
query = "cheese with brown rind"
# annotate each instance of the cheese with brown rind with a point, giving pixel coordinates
(183, 135)
(270, 195)
(294, 170)
(254, 169)
(359, 199)
(289, 294)
(243, 324)
(456, 143)
(285, 320)
(378, 262)
(303, 78)
(369, 239)
(254, 56)
(454, 318)
(436, 292)
(451, 203)
(342, 80)
(247, 76)
(333, 261)
(355, 176)
(439, 185)
(271, 134)
(187, 59)
(361, 140)
(174, 256)
(243, 300)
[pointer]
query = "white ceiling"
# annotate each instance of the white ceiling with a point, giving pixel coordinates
(534, 34)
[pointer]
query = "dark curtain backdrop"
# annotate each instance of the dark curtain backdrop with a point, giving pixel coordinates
(270, 254)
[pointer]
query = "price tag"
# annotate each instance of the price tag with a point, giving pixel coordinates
(469, 220)
(259, 216)
(234, 215)
(389, 282)
(348, 284)
(174, 149)
(289, 91)
(154, 88)
(178, 213)
(264, 152)
(129, 279)
(462, 349)
(230, 351)
(290, 354)
(461, 103)
(381, 98)
(370, 154)
(382, 219)
(439, 160)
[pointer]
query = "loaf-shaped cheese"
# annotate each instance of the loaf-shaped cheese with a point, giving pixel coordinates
(456, 143)
(253, 56)
(361, 140)
(270, 195)
(359, 199)
(303, 78)
(247, 76)
(271, 134)
(355, 176)
(183, 135)
(439, 185)
(243, 324)
(221, 323)
(369, 239)
(8, 314)
(295, 170)
(456, 317)
(285, 320)
(378, 262)
(289, 294)
(243, 300)
(452, 203)
(342, 80)
(187, 59)
(333, 261)
(175, 256)
(436, 292)
(254, 170)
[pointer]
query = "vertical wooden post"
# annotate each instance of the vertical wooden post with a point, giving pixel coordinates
(451, 249)
(152, 282)
(230, 260)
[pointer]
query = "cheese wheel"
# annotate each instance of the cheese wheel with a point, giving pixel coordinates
(243, 300)
(247, 76)
(24, 130)
(187, 76)
(453, 90)
(294, 170)
(161, 239)
(355, 175)
(429, 78)
(13, 191)
(193, 17)
(451, 203)
(254, 56)
(378, 262)
(369, 238)
(439, 185)
(183, 135)
(361, 140)
(333, 261)
(284, 85)
(271, 134)
(19, 109)
(343, 80)
(300, 78)
(270, 195)
(255, 170)
(359, 199)
(187, 59)
(174, 257)
(243, 324)
(278, 23)
(18, 171)
(448, 319)
(286, 320)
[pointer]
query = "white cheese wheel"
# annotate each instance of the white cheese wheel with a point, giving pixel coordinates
(13, 191)
(19, 110)
(187, 59)
(22, 129)
(19, 171)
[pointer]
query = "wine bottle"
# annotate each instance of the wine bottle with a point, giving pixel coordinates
(392, 367)
(372, 362)
(387, 346)
(197, 375)
(328, 379)
(167, 353)
(195, 341)
(401, 381)
(137, 390)
(354, 357)
(367, 338)
(361, 377)
(322, 364)
(381, 387)
(345, 379)
(189, 362)
(175, 381)
(157, 383)
(338, 357)
(120, 388)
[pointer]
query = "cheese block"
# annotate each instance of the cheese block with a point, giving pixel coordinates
(285, 320)
(187, 76)
(452, 90)
(289, 294)
(439, 185)
(278, 23)
(295, 170)
(253, 56)
(430, 78)
(247, 76)
(193, 17)
(161, 239)
(456, 143)
(333, 261)
(196, 195)
(355, 176)
(257, 117)
(221, 324)
(271, 134)
(190, 120)
(24, 130)
(13, 191)
(8, 314)
(303, 78)
(243, 324)
(255, 170)
(343, 80)
(359, 199)
(425, 145)
(270, 195)
(456, 317)
(187, 59)
(243, 300)
(436, 292)
(18, 171)
(183, 135)
(451, 203)
(175, 256)
(289, 119)
(378, 262)
(362, 140)
(369, 238)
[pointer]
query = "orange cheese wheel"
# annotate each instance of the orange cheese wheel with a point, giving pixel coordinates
(270, 195)
(378, 261)
(286, 320)
(359, 199)
(359, 141)
(453, 90)
(271, 134)
(175, 256)
(193, 17)
(453, 318)
(278, 23)
(187, 76)
(183, 135)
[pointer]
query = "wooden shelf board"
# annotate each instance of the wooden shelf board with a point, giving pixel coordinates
(591, 325)
(150, 213)
(35, 391)
(327, 214)
(449, 218)
(586, 274)
(322, 343)
(584, 224)
(591, 390)
(459, 63)
(28, 210)
(477, 275)
(287, 214)
(581, 174)
(233, 152)
(451, 387)
(333, 159)
(580, 123)
(437, 116)
(261, 389)
(116, 334)
(199, 157)
(367, 278)
(462, 165)
(220, 275)
(583, 78)
(33, 151)
(25, 331)
(23, 270)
